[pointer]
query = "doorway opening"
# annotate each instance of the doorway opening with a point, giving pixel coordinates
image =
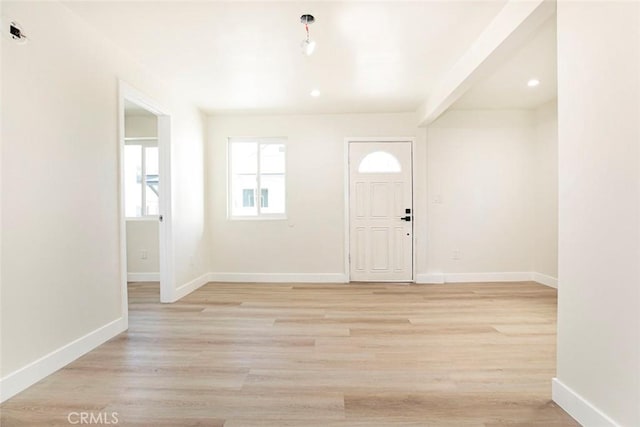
(379, 215)
(145, 216)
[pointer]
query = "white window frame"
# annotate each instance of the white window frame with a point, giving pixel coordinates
(143, 142)
(258, 196)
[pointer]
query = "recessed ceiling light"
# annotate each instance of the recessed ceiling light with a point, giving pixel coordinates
(533, 82)
(315, 93)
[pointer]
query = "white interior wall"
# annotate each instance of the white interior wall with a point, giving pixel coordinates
(140, 126)
(545, 185)
(311, 241)
(477, 168)
(60, 216)
(143, 256)
(479, 165)
(1, 198)
(191, 244)
(598, 371)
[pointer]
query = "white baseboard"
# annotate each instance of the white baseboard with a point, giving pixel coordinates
(279, 277)
(430, 278)
(512, 276)
(30, 374)
(143, 277)
(545, 280)
(189, 287)
(578, 407)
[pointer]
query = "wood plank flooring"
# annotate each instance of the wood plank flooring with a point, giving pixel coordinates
(317, 355)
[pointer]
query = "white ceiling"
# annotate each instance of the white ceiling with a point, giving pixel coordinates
(245, 56)
(507, 86)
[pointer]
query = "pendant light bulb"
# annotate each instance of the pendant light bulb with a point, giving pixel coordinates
(308, 45)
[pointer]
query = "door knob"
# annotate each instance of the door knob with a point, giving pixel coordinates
(405, 218)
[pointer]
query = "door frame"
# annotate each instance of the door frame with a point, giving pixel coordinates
(129, 93)
(347, 198)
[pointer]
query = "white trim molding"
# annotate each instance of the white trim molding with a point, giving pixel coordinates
(19, 380)
(578, 407)
(422, 278)
(543, 279)
(143, 277)
(440, 278)
(189, 287)
(509, 276)
(430, 278)
(279, 277)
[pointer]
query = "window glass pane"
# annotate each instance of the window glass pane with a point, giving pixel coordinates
(273, 193)
(244, 158)
(272, 158)
(248, 198)
(379, 162)
(132, 180)
(244, 168)
(152, 187)
(243, 190)
(151, 161)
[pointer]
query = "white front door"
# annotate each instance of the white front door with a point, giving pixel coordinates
(380, 212)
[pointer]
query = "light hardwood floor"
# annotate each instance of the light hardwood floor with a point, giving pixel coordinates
(317, 355)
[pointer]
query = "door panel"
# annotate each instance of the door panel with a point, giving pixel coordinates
(380, 192)
(379, 199)
(398, 237)
(380, 249)
(359, 244)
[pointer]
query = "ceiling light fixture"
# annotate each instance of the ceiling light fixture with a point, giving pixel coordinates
(533, 82)
(315, 93)
(308, 45)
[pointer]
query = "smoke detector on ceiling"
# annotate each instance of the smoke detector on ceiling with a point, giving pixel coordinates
(15, 32)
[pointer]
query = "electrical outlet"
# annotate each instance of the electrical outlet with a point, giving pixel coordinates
(143, 254)
(456, 255)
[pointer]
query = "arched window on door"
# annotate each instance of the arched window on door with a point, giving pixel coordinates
(379, 162)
